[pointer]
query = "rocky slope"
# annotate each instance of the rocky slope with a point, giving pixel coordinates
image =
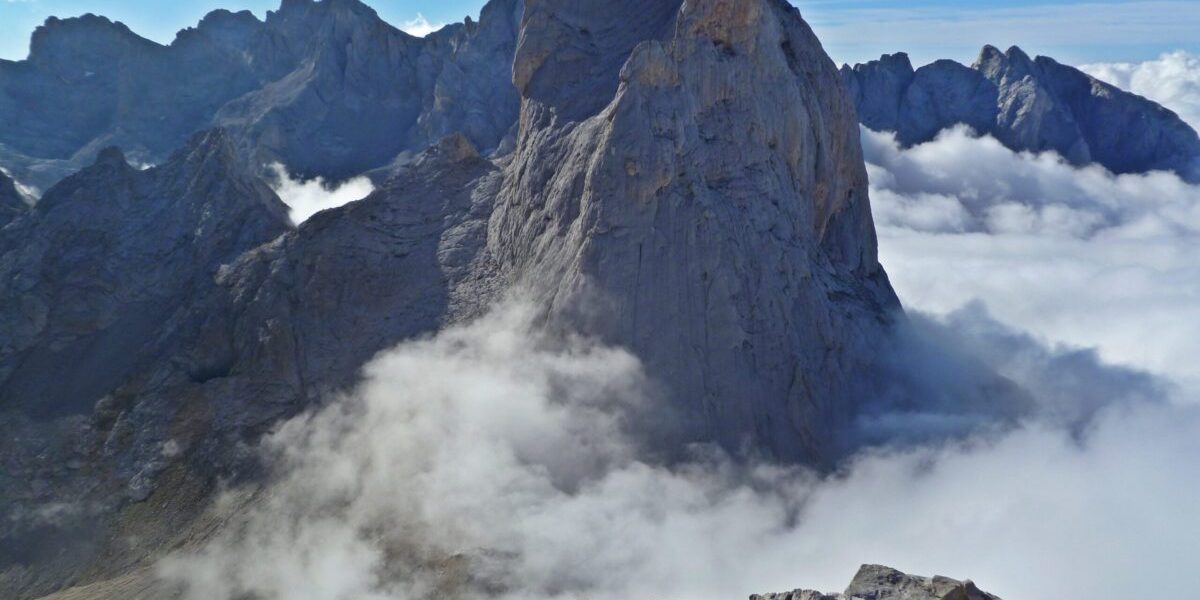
(689, 186)
(93, 277)
(326, 87)
(1029, 105)
(874, 582)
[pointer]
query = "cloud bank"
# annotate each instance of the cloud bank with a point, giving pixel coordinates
(1173, 81)
(458, 469)
(1076, 256)
(309, 197)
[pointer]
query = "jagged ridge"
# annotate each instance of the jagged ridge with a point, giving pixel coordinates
(1029, 105)
(326, 87)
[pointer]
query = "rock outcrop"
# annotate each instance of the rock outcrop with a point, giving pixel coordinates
(1027, 104)
(325, 87)
(874, 582)
(712, 215)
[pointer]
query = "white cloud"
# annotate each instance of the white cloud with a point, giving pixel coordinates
(420, 26)
(1173, 81)
(1077, 256)
(494, 457)
(307, 198)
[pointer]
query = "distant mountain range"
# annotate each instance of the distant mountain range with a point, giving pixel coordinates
(327, 88)
(1028, 104)
(330, 89)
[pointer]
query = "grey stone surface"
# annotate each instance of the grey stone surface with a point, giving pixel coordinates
(717, 208)
(874, 582)
(1029, 105)
(92, 280)
(328, 88)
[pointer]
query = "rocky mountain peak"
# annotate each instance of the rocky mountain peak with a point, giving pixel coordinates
(229, 29)
(88, 42)
(875, 582)
(638, 181)
(111, 156)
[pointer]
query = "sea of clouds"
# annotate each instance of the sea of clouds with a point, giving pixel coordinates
(496, 460)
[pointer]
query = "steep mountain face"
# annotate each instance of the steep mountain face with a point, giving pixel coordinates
(326, 87)
(715, 208)
(93, 278)
(874, 582)
(688, 185)
(1029, 105)
(12, 202)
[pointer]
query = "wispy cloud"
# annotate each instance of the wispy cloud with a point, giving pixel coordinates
(1072, 31)
(420, 26)
(309, 197)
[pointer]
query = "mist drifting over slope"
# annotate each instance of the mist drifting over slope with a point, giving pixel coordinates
(496, 459)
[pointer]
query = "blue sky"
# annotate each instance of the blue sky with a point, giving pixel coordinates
(1074, 31)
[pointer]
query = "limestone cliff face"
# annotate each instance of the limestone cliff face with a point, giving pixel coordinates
(712, 215)
(1029, 105)
(326, 87)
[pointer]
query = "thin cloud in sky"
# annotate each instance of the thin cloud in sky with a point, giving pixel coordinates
(1073, 32)
(420, 26)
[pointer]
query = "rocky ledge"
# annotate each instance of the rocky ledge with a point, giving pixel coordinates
(875, 582)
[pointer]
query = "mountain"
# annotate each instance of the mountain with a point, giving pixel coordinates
(688, 185)
(874, 582)
(92, 278)
(325, 87)
(1028, 105)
